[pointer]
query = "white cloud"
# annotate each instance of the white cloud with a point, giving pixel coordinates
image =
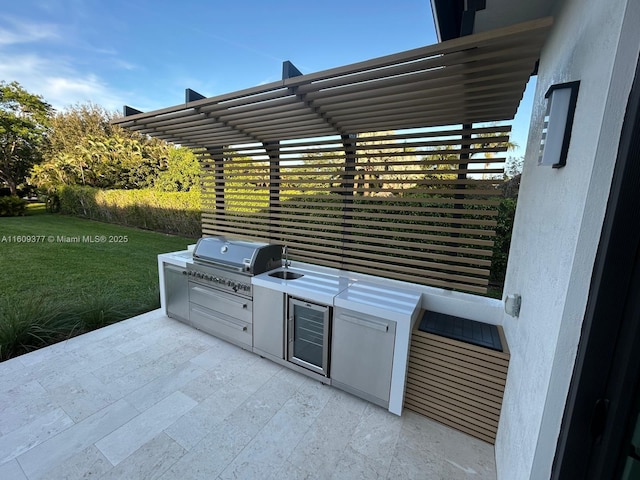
(58, 81)
(57, 66)
(64, 91)
(26, 32)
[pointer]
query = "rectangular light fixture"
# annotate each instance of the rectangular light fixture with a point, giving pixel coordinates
(561, 106)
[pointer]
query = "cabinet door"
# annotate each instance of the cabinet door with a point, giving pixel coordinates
(268, 321)
(176, 292)
(362, 355)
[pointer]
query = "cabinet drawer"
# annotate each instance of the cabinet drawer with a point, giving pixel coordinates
(236, 307)
(221, 326)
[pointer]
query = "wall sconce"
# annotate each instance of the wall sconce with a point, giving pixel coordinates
(561, 106)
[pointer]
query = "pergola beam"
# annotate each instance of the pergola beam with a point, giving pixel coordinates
(472, 79)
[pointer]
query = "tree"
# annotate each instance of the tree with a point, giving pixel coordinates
(23, 133)
(487, 140)
(182, 172)
(85, 149)
(514, 167)
(71, 126)
(382, 166)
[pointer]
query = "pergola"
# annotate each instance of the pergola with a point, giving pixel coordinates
(461, 88)
(473, 79)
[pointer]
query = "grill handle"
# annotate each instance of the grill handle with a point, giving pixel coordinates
(383, 327)
(206, 291)
(239, 326)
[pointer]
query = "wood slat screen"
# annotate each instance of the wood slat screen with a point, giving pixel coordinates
(415, 205)
(456, 383)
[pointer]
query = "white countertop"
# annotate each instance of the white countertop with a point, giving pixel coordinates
(379, 300)
(335, 288)
(180, 259)
(316, 286)
(331, 287)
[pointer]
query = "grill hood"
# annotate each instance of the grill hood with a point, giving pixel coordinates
(238, 255)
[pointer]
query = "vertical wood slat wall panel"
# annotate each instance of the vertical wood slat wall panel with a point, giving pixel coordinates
(423, 203)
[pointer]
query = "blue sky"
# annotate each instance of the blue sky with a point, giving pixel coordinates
(145, 53)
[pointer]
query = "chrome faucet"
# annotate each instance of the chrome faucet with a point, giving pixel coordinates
(285, 255)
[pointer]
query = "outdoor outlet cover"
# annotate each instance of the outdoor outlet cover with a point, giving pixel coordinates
(512, 304)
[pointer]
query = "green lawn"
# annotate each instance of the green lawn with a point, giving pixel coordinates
(63, 275)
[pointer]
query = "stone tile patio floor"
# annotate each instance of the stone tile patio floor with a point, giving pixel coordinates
(151, 398)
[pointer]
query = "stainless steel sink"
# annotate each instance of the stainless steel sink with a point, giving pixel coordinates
(286, 275)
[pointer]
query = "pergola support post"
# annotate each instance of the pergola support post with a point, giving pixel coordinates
(464, 158)
(273, 151)
(217, 153)
(192, 96)
(289, 70)
(348, 181)
(463, 165)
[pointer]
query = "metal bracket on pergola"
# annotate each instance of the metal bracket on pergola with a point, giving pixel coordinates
(473, 79)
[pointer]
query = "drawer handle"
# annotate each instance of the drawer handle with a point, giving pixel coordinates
(383, 327)
(229, 323)
(205, 291)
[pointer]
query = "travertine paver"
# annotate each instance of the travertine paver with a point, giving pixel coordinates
(153, 398)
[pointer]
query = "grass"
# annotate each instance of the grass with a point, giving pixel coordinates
(61, 284)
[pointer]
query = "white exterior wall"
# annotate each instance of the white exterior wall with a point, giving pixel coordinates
(558, 223)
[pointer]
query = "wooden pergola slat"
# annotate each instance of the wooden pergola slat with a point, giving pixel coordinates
(473, 79)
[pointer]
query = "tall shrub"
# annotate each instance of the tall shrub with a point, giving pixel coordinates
(168, 212)
(502, 241)
(12, 206)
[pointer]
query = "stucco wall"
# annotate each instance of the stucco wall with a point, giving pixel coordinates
(557, 228)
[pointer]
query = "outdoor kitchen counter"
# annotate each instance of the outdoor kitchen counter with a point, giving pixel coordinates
(387, 302)
(179, 259)
(315, 285)
(333, 287)
(382, 300)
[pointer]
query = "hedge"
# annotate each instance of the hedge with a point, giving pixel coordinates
(12, 206)
(168, 212)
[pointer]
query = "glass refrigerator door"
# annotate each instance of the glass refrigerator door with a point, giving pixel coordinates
(308, 335)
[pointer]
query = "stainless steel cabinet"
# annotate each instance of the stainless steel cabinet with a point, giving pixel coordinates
(268, 322)
(223, 316)
(176, 292)
(362, 355)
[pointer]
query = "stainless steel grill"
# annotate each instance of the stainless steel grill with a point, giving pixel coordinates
(220, 292)
(237, 255)
(228, 264)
